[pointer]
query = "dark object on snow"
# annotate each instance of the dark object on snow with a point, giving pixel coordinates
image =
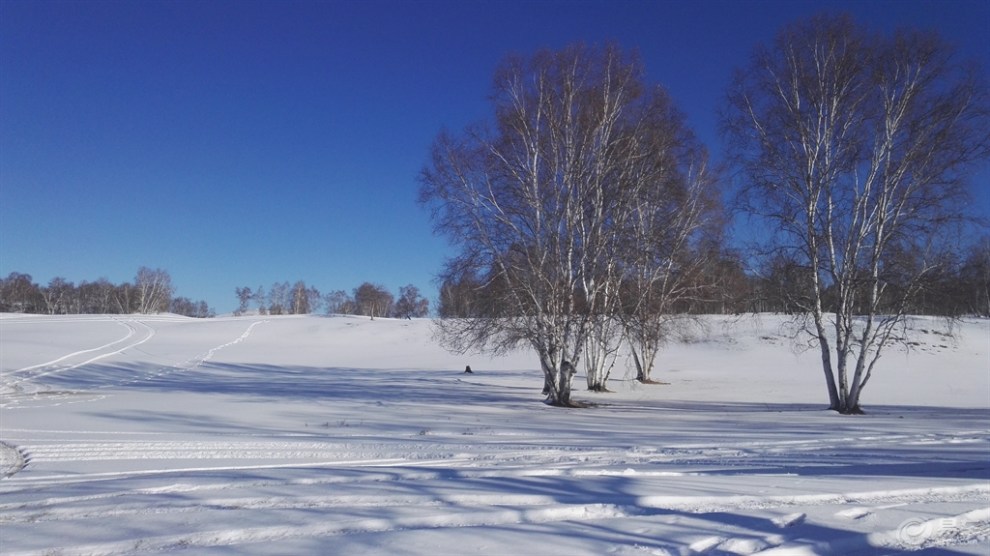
(468, 369)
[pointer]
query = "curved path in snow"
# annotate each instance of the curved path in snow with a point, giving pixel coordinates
(25, 388)
(22, 385)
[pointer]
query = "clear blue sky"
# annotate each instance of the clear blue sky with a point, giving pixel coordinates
(243, 143)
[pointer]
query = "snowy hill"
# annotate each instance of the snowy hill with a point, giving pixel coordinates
(310, 435)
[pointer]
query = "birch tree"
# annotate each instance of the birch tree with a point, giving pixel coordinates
(56, 296)
(673, 211)
(536, 202)
(665, 266)
(244, 296)
(339, 302)
(279, 298)
(855, 148)
(154, 290)
(410, 304)
(373, 300)
(302, 299)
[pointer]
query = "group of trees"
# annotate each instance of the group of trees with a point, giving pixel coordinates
(150, 292)
(583, 216)
(585, 213)
(368, 299)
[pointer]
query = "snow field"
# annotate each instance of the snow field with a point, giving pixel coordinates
(342, 435)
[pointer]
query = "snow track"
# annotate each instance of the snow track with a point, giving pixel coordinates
(19, 374)
(25, 387)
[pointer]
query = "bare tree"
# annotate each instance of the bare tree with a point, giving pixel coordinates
(97, 297)
(154, 290)
(536, 205)
(671, 237)
(855, 147)
(244, 296)
(182, 306)
(315, 299)
(411, 304)
(186, 307)
(19, 294)
(301, 299)
(278, 298)
(123, 298)
(56, 295)
(373, 300)
(260, 299)
(465, 296)
(339, 302)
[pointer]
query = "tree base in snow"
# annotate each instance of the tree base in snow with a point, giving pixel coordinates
(849, 411)
(571, 404)
(651, 381)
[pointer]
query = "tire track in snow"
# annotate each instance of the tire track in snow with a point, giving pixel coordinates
(23, 389)
(511, 459)
(187, 366)
(150, 333)
(23, 395)
(130, 332)
(224, 450)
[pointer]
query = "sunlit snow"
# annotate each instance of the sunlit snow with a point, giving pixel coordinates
(342, 435)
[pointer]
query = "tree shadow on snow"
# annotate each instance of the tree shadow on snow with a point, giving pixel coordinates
(642, 525)
(301, 383)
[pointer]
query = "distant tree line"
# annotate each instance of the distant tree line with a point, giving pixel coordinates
(958, 286)
(961, 287)
(150, 292)
(368, 299)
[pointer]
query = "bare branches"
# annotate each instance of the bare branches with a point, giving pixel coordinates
(856, 147)
(543, 207)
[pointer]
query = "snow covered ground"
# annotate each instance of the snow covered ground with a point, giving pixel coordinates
(310, 435)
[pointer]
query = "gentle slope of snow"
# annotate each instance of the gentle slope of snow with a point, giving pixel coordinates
(309, 435)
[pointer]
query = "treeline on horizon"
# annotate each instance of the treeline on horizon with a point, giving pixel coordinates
(368, 299)
(723, 286)
(152, 292)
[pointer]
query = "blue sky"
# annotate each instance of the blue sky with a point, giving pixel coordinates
(244, 143)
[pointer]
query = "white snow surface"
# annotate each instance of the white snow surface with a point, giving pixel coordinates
(343, 435)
